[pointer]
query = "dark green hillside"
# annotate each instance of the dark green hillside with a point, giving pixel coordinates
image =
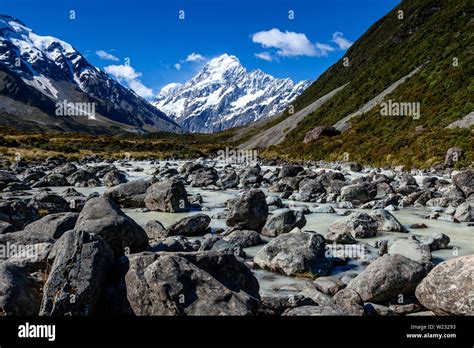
(433, 33)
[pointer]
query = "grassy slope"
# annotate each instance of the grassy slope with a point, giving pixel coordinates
(432, 32)
(34, 146)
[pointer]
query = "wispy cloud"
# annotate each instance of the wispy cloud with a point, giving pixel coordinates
(127, 75)
(190, 58)
(106, 56)
(340, 41)
(322, 50)
(194, 57)
(265, 56)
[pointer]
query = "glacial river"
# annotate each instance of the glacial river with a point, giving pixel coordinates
(462, 236)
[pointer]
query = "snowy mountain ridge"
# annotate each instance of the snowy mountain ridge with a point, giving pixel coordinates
(224, 94)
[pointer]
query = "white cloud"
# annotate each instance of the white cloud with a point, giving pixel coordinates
(123, 72)
(288, 44)
(194, 57)
(106, 56)
(340, 41)
(141, 89)
(291, 44)
(265, 56)
(178, 66)
(322, 50)
(127, 74)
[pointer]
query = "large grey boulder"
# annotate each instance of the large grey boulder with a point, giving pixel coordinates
(201, 283)
(44, 203)
(340, 236)
(359, 225)
(349, 301)
(359, 193)
(465, 212)
(195, 225)
(155, 230)
(46, 230)
(53, 225)
(249, 176)
(31, 257)
(130, 194)
(203, 177)
(449, 288)
(66, 169)
(436, 241)
(216, 243)
(387, 277)
(17, 213)
(319, 298)
(320, 131)
(311, 187)
(80, 178)
(386, 222)
(288, 171)
(101, 216)
(78, 274)
(229, 180)
(114, 178)
(51, 180)
(283, 221)
(465, 182)
(412, 249)
(249, 211)
(295, 253)
(329, 285)
(20, 293)
(243, 238)
(167, 196)
(189, 167)
(453, 155)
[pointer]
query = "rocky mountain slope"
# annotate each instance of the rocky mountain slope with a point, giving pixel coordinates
(37, 72)
(419, 54)
(224, 94)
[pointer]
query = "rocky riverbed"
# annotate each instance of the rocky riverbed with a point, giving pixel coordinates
(210, 238)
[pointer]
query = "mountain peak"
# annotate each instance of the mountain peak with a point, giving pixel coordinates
(218, 68)
(224, 94)
(223, 60)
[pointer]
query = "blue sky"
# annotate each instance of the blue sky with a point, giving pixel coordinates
(151, 35)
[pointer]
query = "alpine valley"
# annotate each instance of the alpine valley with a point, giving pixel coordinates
(237, 193)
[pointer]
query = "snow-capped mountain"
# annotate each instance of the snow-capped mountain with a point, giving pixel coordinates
(37, 72)
(224, 94)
